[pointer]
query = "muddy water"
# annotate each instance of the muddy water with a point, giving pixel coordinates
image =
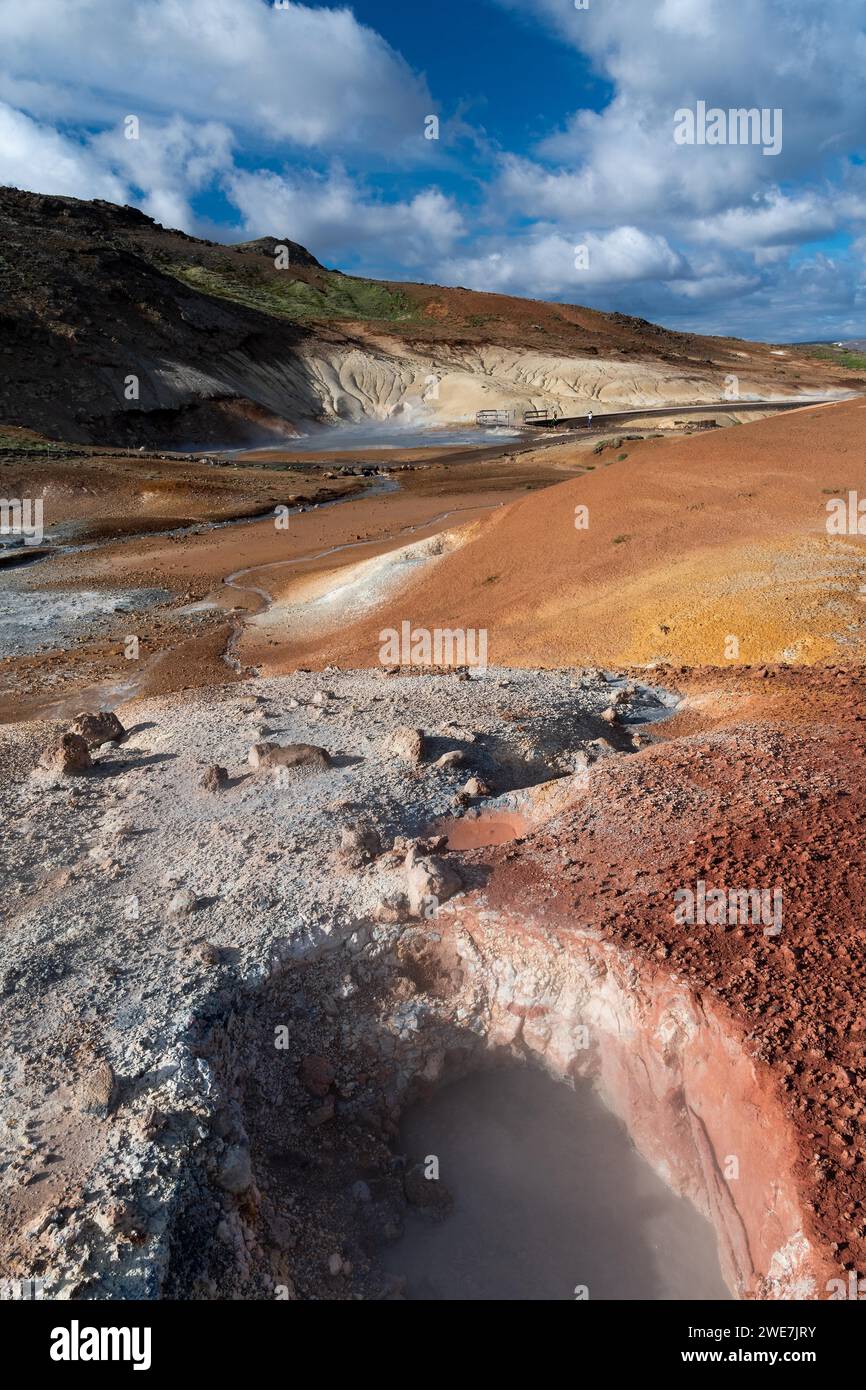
(549, 1195)
(480, 832)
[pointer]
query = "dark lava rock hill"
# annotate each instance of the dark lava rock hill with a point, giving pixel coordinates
(116, 330)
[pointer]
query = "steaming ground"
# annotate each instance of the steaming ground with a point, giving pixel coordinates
(147, 1159)
(550, 1197)
(416, 429)
(158, 933)
(101, 970)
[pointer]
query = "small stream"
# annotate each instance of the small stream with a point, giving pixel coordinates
(31, 619)
(405, 531)
(58, 540)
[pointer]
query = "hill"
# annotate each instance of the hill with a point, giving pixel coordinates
(114, 329)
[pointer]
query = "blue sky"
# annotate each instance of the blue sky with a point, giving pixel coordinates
(507, 73)
(556, 133)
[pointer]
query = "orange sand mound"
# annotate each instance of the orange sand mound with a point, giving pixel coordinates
(691, 541)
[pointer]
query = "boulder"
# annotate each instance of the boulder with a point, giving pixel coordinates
(100, 728)
(66, 756)
(476, 786)
(96, 1091)
(407, 744)
(299, 759)
(455, 758)
(183, 903)
(235, 1171)
(359, 842)
(431, 881)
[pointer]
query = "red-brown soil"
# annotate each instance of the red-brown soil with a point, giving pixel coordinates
(770, 793)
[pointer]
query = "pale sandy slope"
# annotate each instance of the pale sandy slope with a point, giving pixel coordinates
(450, 382)
(691, 540)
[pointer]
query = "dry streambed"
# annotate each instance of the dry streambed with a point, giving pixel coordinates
(225, 978)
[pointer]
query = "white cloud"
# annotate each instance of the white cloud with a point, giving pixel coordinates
(169, 162)
(164, 166)
(316, 77)
(332, 215)
(206, 81)
(622, 163)
(774, 220)
(551, 264)
(689, 234)
(712, 288)
(40, 159)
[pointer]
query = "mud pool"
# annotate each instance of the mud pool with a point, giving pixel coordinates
(550, 1197)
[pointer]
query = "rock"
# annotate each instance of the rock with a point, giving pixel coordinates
(431, 881)
(476, 786)
(214, 778)
(598, 748)
(610, 715)
(183, 903)
(67, 756)
(407, 744)
(235, 1171)
(430, 1194)
(207, 953)
(361, 1192)
(455, 758)
(299, 759)
(317, 1075)
(100, 728)
(96, 1091)
(335, 1264)
(153, 1122)
(429, 845)
(394, 907)
(322, 697)
(323, 1114)
(359, 842)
